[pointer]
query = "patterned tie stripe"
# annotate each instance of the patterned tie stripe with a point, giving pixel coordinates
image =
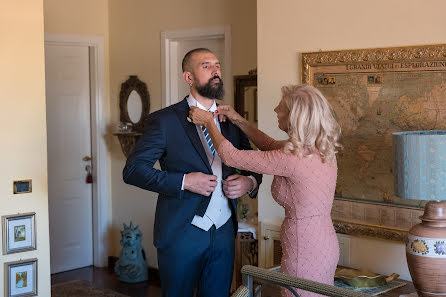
(208, 139)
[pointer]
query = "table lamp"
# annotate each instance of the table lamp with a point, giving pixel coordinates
(419, 169)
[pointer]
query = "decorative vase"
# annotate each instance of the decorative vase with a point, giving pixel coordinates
(426, 251)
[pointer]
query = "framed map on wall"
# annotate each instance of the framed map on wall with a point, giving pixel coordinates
(376, 92)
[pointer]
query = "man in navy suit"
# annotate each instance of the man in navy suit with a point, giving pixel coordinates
(195, 219)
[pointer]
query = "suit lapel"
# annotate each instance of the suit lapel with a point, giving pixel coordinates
(225, 129)
(182, 111)
(226, 132)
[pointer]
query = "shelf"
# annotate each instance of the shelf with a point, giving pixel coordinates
(127, 140)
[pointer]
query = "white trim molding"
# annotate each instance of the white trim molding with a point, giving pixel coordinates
(169, 57)
(98, 131)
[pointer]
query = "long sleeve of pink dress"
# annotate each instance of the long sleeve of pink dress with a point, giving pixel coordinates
(305, 188)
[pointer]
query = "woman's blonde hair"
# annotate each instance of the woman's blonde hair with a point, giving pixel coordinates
(312, 126)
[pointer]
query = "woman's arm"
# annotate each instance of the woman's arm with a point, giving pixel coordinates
(259, 138)
(216, 136)
(273, 162)
(204, 118)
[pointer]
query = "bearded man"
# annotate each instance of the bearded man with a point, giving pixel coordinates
(196, 219)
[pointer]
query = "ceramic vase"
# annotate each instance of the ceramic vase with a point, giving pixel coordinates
(426, 251)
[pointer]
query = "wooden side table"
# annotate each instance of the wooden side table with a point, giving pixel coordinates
(246, 253)
(274, 290)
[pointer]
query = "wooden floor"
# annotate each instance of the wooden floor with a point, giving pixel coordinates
(103, 277)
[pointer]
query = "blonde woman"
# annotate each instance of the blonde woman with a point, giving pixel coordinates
(305, 171)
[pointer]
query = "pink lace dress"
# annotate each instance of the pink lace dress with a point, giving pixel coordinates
(305, 188)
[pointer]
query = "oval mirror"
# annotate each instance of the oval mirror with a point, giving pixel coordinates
(134, 107)
(134, 103)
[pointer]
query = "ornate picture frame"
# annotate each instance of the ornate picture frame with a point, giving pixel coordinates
(374, 93)
(19, 233)
(21, 278)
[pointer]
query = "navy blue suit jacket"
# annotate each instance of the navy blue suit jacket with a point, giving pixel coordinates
(175, 142)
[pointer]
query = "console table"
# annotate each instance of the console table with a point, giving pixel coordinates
(274, 291)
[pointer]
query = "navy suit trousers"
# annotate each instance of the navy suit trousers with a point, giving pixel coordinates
(201, 260)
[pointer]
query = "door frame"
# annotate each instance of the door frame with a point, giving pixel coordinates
(169, 57)
(99, 156)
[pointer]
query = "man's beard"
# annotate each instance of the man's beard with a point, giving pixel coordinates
(210, 89)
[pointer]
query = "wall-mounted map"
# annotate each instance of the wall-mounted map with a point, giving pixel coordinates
(374, 93)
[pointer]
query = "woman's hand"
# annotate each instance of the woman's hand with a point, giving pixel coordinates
(227, 112)
(200, 117)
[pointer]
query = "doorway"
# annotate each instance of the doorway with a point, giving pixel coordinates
(76, 130)
(175, 44)
(70, 197)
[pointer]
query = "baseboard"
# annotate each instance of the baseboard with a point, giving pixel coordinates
(111, 262)
(154, 275)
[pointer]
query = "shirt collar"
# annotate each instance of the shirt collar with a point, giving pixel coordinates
(193, 102)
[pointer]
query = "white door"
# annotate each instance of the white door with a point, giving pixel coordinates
(69, 141)
(217, 46)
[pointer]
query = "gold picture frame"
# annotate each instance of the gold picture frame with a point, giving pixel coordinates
(374, 93)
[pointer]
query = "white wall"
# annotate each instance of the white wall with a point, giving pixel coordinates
(287, 28)
(23, 127)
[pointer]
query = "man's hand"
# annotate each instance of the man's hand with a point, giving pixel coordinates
(200, 183)
(237, 185)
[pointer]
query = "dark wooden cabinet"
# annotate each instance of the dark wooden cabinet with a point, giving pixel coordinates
(246, 253)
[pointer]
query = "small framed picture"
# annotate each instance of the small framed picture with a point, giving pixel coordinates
(19, 233)
(21, 278)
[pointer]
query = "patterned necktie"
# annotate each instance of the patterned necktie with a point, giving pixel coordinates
(208, 139)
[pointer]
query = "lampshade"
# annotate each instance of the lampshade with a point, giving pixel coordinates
(419, 164)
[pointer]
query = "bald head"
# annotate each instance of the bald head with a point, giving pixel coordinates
(187, 60)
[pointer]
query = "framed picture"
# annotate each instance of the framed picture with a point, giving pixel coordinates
(19, 233)
(21, 278)
(374, 93)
